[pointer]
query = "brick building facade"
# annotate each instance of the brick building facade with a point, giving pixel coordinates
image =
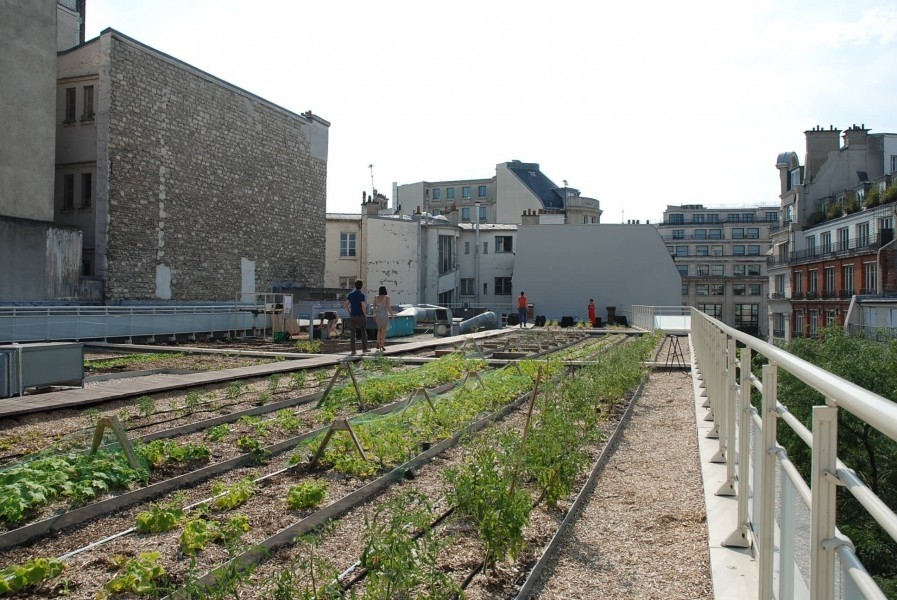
(187, 187)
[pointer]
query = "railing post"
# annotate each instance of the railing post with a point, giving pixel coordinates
(721, 397)
(767, 491)
(741, 537)
(822, 493)
(729, 417)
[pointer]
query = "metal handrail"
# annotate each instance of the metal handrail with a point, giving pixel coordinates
(714, 345)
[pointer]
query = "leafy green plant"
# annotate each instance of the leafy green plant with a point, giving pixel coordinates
(307, 494)
(92, 415)
(16, 578)
(297, 380)
(192, 400)
(274, 383)
(401, 551)
(263, 398)
(218, 432)
(198, 533)
(230, 497)
(309, 346)
(288, 420)
(482, 491)
(141, 575)
(162, 516)
(146, 405)
(160, 452)
(249, 444)
(235, 390)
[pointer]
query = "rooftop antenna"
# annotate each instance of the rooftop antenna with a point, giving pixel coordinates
(373, 189)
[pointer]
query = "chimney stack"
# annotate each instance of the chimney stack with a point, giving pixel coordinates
(820, 143)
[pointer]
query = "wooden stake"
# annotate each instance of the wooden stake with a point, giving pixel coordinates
(115, 425)
(338, 425)
(529, 417)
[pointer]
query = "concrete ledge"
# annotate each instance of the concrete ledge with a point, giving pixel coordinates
(735, 571)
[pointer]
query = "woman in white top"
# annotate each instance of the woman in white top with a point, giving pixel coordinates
(382, 312)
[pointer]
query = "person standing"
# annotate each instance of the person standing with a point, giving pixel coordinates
(358, 317)
(382, 312)
(592, 311)
(521, 309)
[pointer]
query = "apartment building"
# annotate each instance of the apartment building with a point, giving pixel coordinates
(186, 187)
(720, 252)
(834, 253)
(515, 189)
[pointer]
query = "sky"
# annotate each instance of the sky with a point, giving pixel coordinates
(637, 104)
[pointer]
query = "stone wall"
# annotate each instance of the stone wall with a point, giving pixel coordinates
(208, 186)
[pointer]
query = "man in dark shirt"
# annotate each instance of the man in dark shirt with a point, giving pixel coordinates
(355, 304)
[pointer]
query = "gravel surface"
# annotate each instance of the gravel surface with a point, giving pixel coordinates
(643, 531)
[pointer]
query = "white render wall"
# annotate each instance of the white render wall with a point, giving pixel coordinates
(515, 197)
(492, 265)
(561, 266)
(391, 257)
(336, 266)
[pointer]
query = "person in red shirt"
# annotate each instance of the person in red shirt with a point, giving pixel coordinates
(592, 311)
(521, 309)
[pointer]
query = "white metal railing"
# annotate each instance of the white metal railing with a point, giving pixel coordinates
(791, 524)
(48, 323)
(670, 319)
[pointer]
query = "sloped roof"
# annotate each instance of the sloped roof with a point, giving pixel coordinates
(541, 186)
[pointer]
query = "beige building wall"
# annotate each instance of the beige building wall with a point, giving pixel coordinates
(515, 197)
(341, 264)
(29, 83)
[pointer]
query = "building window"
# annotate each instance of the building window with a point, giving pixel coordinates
(753, 269)
(811, 245)
(747, 217)
(467, 287)
(739, 269)
(794, 180)
(753, 250)
(69, 105)
(739, 289)
(893, 163)
(885, 223)
(466, 247)
(715, 234)
(436, 212)
(683, 270)
(481, 191)
(670, 249)
(738, 250)
(797, 282)
(465, 192)
(485, 289)
(347, 282)
(780, 286)
(685, 289)
(678, 234)
(716, 250)
(86, 190)
(825, 241)
(843, 239)
(702, 289)
(465, 214)
(717, 270)
(814, 321)
(446, 251)
(812, 282)
(733, 218)
(450, 193)
(86, 268)
(713, 218)
(847, 279)
(752, 233)
(862, 234)
(703, 270)
(700, 234)
(482, 214)
(437, 193)
(712, 310)
(346, 244)
(831, 317)
(677, 219)
(697, 218)
(68, 192)
(87, 111)
(503, 243)
(870, 273)
(772, 216)
(717, 289)
(828, 283)
(738, 233)
(681, 250)
(753, 289)
(747, 316)
(502, 286)
(702, 250)
(485, 247)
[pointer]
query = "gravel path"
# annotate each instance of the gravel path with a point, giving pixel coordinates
(643, 531)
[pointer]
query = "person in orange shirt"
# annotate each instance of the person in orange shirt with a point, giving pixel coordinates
(521, 309)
